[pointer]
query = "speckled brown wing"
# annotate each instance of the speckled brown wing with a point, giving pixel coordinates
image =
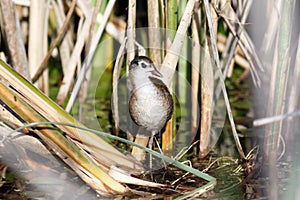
(132, 112)
(164, 91)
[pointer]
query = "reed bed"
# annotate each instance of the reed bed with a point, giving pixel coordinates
(68, 46)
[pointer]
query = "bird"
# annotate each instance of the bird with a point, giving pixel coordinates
(150, 101)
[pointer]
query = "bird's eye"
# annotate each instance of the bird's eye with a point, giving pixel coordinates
(144, 65)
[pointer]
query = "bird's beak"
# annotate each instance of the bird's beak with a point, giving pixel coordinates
(155, 72)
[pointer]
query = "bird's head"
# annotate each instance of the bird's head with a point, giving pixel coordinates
(142, 66)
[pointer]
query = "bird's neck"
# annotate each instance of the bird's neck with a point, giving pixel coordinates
(140, 80)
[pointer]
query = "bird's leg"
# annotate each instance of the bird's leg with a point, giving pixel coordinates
(150, 147)
(160, 150)
(151, 140)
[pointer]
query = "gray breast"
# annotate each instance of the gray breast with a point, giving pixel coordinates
(151, 105)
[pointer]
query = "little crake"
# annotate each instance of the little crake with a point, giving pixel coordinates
(150, 102)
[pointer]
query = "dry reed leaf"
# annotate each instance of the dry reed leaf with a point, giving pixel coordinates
(87, 169)
(172, 56)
